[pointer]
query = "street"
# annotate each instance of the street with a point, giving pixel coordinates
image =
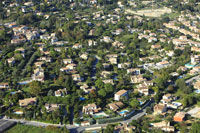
(75, 129)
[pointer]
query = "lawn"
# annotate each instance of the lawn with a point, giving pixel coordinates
(28, 129)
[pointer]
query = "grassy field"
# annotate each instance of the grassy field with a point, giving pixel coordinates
(171, 15)
(28, 129)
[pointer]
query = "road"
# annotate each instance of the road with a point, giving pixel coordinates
(75, 129)
(189, 81)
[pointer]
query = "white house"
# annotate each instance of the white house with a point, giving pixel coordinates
(120, 94)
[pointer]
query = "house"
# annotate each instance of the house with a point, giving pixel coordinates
(179, 117)
(31, 35)
(124, 128)
(162, 64)
(165, 126)
(77, 46)
(117, 44)
(120, 94)
(137, 79)
(124, 65)
(27, 101)
(11, 60)
(135, 71)
(108, 81)
(156, 46)
(195, 59)
(77, 77)
(51, 107)
(197, 85)
(195, 49)
(107, 39)
(4, 85)
(105, 74)
(69, 67)
(167, 96)
(160, 124)
(91, 109)
(87, 89)
(167, 99)
(106, 65)
(115, 106)
(45, 37)
(85, 123)
(61, 92)
(44, 59)
(159, 109)
(113, 60)
(148, 83)
(117, 32)
(67, 61)
(38, 74)
(143, 90)
(84, 56)
(38, 64)
(92, 32)
(92, 43)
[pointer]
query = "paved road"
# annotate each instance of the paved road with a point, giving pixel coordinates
(75, 129)
(189, 81)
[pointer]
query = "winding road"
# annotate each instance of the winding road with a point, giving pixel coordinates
(75, 129)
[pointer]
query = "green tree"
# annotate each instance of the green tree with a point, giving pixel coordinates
(195, 127)
(109, 88)
(109, 128)
(134, 103)
(102, 92)
(99, 84)
(35, 88)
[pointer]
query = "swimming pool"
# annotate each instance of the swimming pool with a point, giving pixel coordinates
(82, 99)
(141, 102)
(197, 91)
(100, 115)
(18, 112)
(123, 112)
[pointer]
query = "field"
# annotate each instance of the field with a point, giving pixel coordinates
(151, 13)
(28, 129)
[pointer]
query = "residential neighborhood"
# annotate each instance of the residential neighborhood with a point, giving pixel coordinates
(100, 66)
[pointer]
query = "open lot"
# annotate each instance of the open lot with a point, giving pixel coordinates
(151, 13)
(28, 129)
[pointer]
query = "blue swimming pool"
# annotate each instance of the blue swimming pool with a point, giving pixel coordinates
(197, 91)
(123, 112)
(82, 99)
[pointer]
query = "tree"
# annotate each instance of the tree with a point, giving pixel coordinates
(65, 130)
(35, 88)
(102, 92)
(183, 128)
(170, 88)
(134, 103)
(50, 93)
(177, 52)
(195, 127)
(166, 19)
(2, 35)
(99, 84)
(109, 88)
(2, 94)
(109, 128)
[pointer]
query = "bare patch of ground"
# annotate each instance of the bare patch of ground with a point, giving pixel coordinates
(151, 13)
